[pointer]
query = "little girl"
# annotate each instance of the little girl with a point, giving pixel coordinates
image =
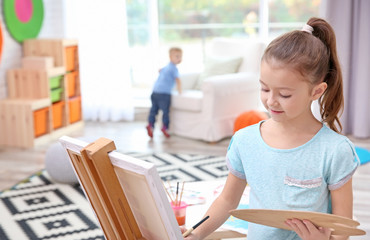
(292, 160)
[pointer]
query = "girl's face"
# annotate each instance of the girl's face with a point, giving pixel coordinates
(285, 93)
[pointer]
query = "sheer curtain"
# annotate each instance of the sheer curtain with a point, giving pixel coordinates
(101, 29)
(350, 20)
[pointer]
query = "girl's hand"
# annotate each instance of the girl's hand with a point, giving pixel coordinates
(190, 236)
(307, 231)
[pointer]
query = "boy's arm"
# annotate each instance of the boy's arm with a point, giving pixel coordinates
(178, 84)
(219, 210)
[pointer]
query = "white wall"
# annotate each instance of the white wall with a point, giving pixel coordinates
(11, 57)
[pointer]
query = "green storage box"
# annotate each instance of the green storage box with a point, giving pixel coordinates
(56, 95)
(55, 82)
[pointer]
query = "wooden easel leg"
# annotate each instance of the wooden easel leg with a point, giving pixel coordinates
(113, 196)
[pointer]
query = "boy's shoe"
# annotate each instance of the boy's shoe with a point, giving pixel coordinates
(149, 129)
(165, 133)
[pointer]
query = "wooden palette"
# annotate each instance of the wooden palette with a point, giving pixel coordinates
(276, 218)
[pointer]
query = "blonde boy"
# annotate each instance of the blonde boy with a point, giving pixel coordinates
(161, 95)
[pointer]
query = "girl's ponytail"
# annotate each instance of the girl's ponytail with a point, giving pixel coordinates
(332, 101)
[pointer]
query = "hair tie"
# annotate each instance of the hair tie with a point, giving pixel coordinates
(307, 28)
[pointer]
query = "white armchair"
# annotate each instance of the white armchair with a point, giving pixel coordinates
(209, 113)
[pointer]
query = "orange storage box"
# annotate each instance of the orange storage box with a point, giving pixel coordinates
(75, 109)
(71, 58)
(41, 121)
(71, 81)
(58, 113)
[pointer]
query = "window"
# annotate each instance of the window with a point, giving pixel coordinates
(156, 25)
(287, 15)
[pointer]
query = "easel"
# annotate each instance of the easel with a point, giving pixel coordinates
(104, 192)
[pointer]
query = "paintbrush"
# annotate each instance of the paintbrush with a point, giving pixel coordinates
(185, 234)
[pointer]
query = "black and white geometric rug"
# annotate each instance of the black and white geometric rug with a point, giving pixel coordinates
(40, 209)
(186, 167)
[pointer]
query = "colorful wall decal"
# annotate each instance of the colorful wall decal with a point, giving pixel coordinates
(23, 10)
(23, 18)
(1, 42)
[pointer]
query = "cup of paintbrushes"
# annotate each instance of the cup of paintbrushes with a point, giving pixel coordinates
(179, 209)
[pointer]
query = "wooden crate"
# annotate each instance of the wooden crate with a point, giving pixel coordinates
(59, 49)
(17, 121)
(37, 62)
(31, 83)
(45, 48)
(28, 84)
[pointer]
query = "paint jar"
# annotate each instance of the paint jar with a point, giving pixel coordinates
(180, 212)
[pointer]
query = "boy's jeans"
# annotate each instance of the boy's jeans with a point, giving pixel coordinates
(160, 101)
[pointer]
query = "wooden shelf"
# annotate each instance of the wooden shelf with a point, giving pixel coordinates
(33, 103)
(44, 97)
(56, 71)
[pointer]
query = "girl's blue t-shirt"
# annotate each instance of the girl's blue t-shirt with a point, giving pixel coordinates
(290, 179)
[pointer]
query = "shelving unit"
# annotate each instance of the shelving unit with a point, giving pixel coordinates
(44, 95)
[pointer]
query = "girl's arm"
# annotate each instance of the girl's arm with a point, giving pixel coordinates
(219, 210)
(342, 203)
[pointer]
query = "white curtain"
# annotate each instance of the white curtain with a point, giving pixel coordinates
(350, 20)
(101, 29)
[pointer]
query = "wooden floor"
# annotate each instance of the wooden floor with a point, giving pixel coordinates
(17, 164)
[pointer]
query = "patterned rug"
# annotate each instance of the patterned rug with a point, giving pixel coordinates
(38, 208)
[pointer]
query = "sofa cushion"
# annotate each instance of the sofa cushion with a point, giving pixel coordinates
(250, 49)
(189, 100)
(218, 66)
